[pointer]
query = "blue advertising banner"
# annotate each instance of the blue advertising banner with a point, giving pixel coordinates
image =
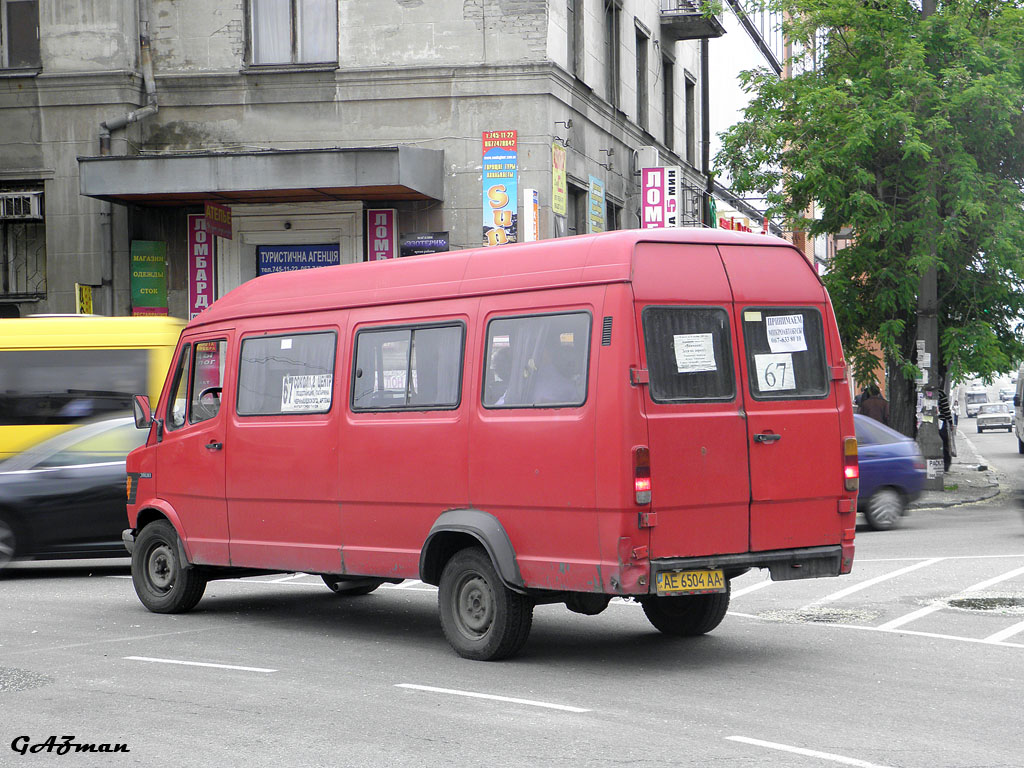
(501, 187)
(286, 258)
(596, 221)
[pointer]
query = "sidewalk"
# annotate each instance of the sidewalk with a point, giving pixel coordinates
(969, 479)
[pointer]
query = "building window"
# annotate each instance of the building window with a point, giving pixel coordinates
(294, 31)
(574, 30)
(691, 122)
(612, 28)
(22, 245)
(577, 210)
(668, 97)
(19, 34)
(642, 96)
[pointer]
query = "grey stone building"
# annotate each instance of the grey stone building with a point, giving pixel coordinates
(119, 120)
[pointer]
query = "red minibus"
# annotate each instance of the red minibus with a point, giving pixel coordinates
(641, 414)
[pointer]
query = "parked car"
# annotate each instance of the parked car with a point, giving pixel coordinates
(892, 472)
(995, 416)
(65, 497)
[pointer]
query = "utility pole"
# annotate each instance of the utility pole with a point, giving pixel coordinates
(928, 437)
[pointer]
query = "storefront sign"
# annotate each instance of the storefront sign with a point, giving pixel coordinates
(199, 266)
(531, 215)
(382, 233)
(218, 220)
(559, 184)
(660, 190)
(149, 277)
(287, 258)
(500, 187)
(419, 243)
(596, 220)
(83, 299)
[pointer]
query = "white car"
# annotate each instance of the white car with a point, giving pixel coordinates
(995, 416)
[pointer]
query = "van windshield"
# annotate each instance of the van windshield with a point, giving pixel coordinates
(977, 397)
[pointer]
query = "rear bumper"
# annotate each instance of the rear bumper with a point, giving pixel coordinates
(783, 564)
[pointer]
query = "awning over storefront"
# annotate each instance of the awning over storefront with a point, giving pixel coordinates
(271, 176)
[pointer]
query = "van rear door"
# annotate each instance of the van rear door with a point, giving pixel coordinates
(792, 406)
(696, 432)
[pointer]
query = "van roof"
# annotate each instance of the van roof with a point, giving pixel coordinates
(554, 263)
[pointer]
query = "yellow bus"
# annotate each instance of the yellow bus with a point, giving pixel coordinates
(57, 370)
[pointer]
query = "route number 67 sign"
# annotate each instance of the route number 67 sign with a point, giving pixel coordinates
(775, 372)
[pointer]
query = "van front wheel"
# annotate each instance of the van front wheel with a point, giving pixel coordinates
(161, 582)
(481, 618)
(689, 615)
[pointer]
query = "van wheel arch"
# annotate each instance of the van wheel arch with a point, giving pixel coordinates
(457, 529)
(149, 516)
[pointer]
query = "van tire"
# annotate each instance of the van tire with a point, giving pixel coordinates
(884, 509)
(481, 618)
(351, 587)
(689, 615)
(161, 582)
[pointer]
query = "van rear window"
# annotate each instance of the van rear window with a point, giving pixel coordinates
(412, 369)
(785, 348)
(286, 374)
(689, 354)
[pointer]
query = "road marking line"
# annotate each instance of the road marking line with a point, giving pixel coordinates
(407, 584)
(752, 587)
(871, 582)
(198, 664)
(898, 622)
(865, 628)
(292, 577)
(472, 695)
(998, 637)
(805, 752)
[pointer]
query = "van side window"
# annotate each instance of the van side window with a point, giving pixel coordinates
(538, 361)
(408, 368)
(290, 373)
(785, 353)
(207, 380)
(175, 416)
(689, 354)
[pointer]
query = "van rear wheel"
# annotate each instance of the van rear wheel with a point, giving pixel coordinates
(482, 619)
(689, 615)
(162, 584)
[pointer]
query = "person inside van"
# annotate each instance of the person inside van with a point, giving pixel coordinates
(550, 383)
(875, 406)
(501, 371)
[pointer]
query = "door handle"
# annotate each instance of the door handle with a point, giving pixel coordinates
(766, 437)
(214, 446)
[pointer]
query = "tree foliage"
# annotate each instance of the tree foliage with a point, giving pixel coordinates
(907, 132)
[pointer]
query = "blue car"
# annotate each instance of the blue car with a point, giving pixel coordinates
(892, 472)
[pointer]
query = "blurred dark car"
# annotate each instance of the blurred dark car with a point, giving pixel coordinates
(65, 497)
(892, 472)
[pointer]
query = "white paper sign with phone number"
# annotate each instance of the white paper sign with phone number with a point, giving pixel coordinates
(775, 372)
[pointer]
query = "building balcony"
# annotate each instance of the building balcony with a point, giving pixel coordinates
(688, 20)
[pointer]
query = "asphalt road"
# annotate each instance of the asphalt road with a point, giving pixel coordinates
(914, 660)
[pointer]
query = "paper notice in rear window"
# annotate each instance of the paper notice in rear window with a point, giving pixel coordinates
(695, 352)
(785, 333)
(306, 393)
(775, 372)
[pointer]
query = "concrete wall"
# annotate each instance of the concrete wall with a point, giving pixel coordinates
(432, 73)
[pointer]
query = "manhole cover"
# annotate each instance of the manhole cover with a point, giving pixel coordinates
(1008, 604)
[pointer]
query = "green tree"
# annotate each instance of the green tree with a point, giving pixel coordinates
(906, 130)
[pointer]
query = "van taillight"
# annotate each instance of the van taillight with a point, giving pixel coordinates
(642, 475)
(851, 469)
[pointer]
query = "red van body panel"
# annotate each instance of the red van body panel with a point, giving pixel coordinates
(360, 492)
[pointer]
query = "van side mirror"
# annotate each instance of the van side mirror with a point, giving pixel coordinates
(142, 412)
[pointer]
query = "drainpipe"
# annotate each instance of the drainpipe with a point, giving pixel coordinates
(705, 129)
(151, 108)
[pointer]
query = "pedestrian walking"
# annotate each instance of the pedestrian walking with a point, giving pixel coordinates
(875, 406)
(947, 429)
